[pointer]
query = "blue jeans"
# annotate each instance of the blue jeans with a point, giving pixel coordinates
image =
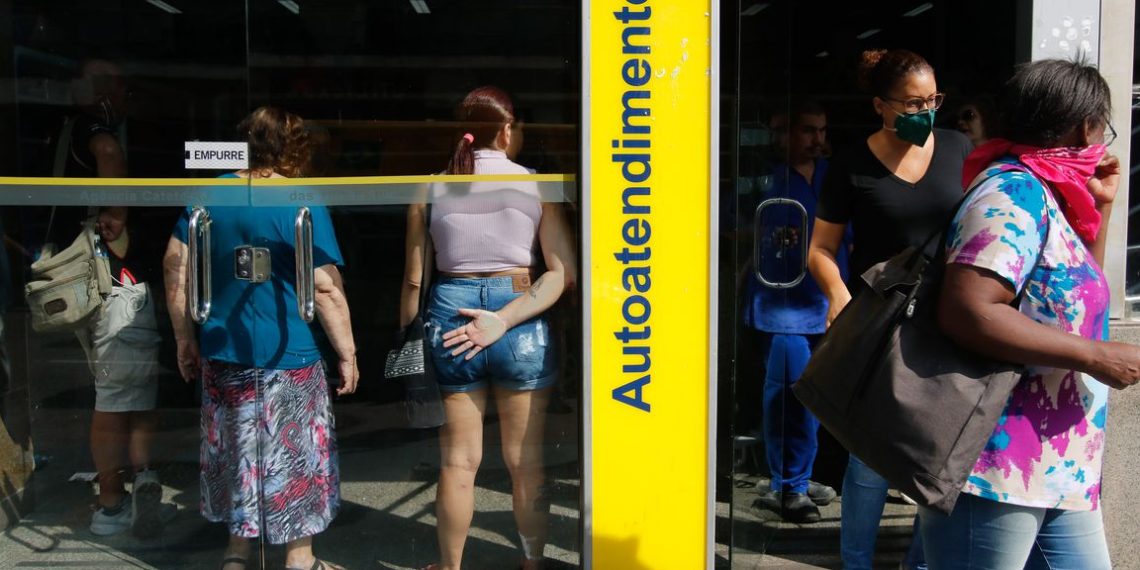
(789, 429)
(523, 359)
(864, 496)
(981, 534)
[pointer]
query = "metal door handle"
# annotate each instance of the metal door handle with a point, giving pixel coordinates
(757, 237)
(303, 247)
(201, 283)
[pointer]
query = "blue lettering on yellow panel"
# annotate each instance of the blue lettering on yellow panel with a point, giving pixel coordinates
(636, 170)
(622, 393)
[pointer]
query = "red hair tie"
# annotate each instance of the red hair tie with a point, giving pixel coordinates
(470, 138)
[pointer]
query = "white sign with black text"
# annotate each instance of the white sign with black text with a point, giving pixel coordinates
(208, 155)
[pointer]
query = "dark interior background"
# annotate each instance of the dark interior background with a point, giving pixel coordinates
(344, 64)
(375, 81)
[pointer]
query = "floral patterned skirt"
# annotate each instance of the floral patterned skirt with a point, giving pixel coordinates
(268, 458)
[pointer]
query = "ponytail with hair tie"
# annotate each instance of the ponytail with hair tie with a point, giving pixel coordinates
(482, 114)
(463, 159)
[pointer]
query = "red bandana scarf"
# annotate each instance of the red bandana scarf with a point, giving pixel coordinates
(1066, 170)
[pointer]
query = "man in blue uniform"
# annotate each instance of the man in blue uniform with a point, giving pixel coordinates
(789, 316)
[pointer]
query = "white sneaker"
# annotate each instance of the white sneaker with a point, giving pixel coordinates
(103, 524)
(146, 516)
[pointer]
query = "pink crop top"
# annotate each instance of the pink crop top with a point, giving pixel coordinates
(484, 227)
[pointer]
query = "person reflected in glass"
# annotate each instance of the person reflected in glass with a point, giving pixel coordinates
(790, 320)
(485, 322)
(896, 188)
(94, 150)
(121, 345)
(1024, 284)
(89, 143)
(269, 464)
(977, 119)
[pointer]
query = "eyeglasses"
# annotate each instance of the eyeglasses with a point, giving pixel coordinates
(1109, 134)
(916, 104)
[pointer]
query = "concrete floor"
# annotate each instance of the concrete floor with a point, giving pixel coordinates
(386, 520)
(388, 489)
(388, 479)
(761, 539)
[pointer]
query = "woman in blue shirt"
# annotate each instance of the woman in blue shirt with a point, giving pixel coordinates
(269, 464)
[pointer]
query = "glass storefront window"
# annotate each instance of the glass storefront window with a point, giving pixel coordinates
(111, 95)
(374, 125)
(800, 110)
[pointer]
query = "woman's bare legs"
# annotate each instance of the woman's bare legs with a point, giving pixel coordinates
(143, 426)
(522, 418)
(299, 554)
(461, 451)
(109, 437)
(237, 548)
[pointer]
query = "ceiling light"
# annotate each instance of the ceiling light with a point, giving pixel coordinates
(164, 6)
(822, 54)
(918, 10)
(754, 9)
(868, 33)
(290, 5)
(420, 6)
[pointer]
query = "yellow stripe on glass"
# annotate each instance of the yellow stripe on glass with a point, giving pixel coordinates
(342, 191)
(648, 112)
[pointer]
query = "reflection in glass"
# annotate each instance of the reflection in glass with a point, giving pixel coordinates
(150, 79)
(788, 310)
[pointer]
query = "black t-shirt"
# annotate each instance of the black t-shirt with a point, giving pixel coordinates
(133, 268)
(888, 214)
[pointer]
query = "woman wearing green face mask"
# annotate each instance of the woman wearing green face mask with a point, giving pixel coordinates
(895, 189)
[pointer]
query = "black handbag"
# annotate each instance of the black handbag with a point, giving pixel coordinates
(909, 402)
(411, 362)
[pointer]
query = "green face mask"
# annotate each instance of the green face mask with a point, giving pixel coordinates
(914, 128)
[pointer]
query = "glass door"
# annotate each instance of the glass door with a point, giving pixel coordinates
(349, 109)
(780, 312)
(101, 447)
(801, 111)
(384, 110)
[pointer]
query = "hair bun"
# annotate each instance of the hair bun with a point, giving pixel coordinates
(868, 60)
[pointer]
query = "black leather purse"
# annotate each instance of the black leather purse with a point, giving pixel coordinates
(909, 402)
(410, 361)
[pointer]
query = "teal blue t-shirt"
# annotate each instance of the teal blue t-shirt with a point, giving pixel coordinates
(256, 324)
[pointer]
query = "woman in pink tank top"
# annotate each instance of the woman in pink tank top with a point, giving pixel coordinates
(485, 318)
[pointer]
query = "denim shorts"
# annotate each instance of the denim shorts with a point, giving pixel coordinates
(523, 359)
